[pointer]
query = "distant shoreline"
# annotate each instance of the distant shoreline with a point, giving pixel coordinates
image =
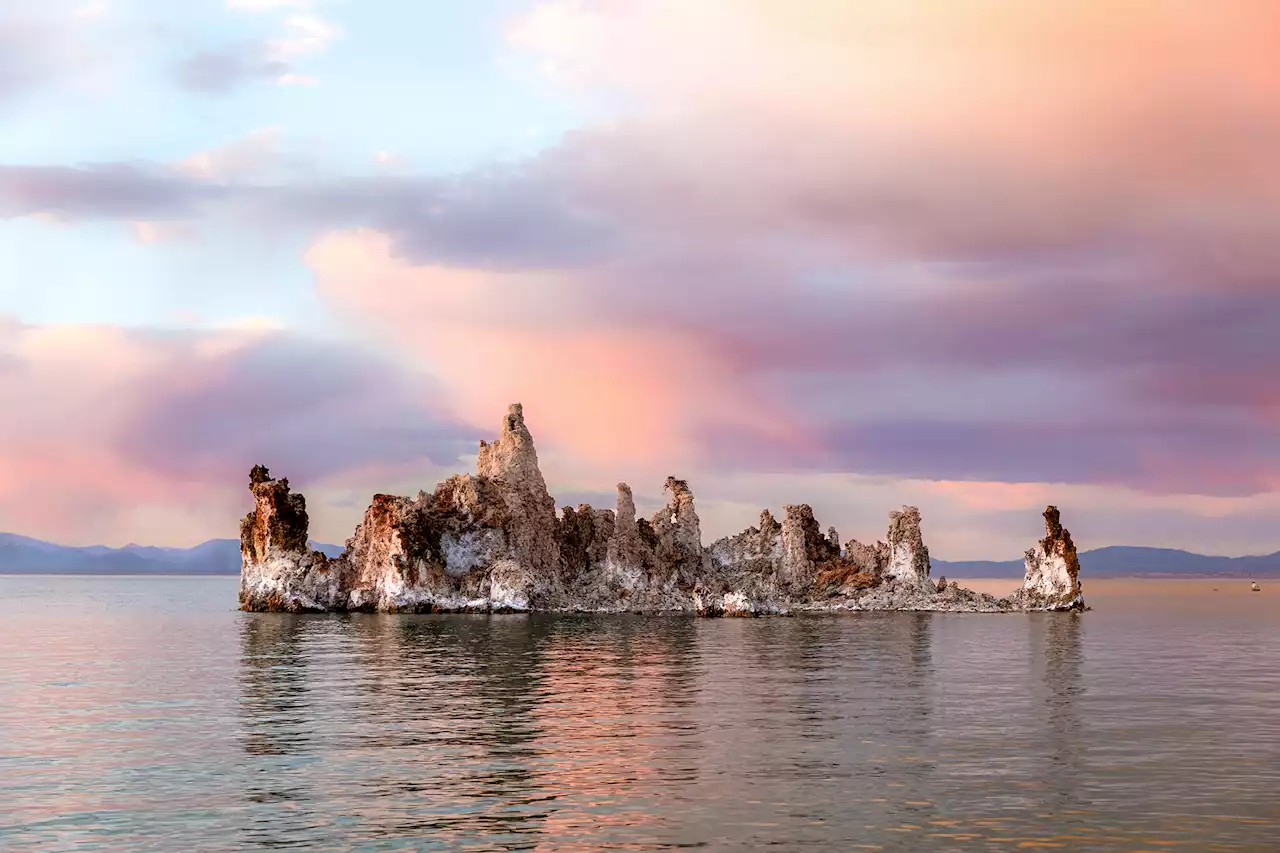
(1150, 575)
(221, 558)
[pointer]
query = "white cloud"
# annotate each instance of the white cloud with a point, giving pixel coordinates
(296, 80)
(267, 5)
(92, 10)
(253, 323)
(244, 157)
(307, 34)
(150, 231)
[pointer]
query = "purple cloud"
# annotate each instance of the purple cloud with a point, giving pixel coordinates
(314, 409)
(218, 72)
(909, 304)
(114, 420)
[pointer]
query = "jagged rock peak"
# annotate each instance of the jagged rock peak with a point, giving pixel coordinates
(584, 536)
(1052, 580)
(804, 547)
(680, 492)
(678, 532)
(755, 551)
(626, 511)
(907, 558)
(278, 521)
(278, 570)
(626, 553)
(868, 558)
(680, 512)
(770, 527)
(1056, 537)
(625, 548)
(512, 456)
(512, 462)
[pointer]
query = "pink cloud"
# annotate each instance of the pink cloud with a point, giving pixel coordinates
(603, 390)
(988, 241)
(972, 242)
(931, 130)
(121, 434)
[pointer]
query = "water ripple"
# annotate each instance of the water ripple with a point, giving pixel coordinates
(145, 715)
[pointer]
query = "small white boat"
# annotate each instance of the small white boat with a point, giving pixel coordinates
(1254, 587)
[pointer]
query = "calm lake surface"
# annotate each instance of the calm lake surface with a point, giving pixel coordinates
(146, 714)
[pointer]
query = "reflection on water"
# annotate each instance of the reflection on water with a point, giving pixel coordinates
(125, 726)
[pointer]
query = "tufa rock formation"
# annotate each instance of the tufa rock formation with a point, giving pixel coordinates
(511, 464)
(279, 571)
(493, 542)
(908, 559)
(1052, 579)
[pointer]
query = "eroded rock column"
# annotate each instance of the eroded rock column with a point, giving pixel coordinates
(512, 463)
(907, 558)
(804, 548)
(278, 570)
(1052, 580)
(679, 533)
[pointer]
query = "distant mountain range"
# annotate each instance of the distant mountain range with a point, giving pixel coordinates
(1128, 561)
(23, 555)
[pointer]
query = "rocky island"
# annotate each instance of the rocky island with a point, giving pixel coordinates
(493, 542)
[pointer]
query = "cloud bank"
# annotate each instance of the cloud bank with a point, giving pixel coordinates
(109, 427)
(992, 242)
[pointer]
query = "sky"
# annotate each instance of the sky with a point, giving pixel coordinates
(978, 257)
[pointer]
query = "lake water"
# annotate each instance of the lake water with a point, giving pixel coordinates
(145, 714)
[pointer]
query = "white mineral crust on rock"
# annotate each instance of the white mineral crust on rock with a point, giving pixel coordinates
(1047, 574)
(1052, 580)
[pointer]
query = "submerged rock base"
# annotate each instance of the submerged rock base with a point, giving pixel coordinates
(493, 542)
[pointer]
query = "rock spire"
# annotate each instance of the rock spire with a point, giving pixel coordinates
(1052, 580)
(908, 558)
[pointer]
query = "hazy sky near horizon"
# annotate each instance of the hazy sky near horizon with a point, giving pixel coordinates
(977, 256)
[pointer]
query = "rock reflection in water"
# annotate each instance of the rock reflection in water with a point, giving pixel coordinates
(505, 732)
(536, 731)
(392, 727)
(1147, 724)
(1056, 658)
(277, 730)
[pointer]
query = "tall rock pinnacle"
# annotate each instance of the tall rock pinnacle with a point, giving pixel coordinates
(908, 558)
(512, 456)
(279, 571)
(679, 532)
(1052, 580)
(625, 547)
(512, 463)
(804, 548)
(278, 522)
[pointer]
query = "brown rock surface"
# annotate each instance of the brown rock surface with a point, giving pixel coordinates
(626, 551)
(279, 571)
(679, 555)
(511, 463)
(278, 521)
(804, 548)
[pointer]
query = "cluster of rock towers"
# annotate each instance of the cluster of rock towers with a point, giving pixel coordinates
(493, 542)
